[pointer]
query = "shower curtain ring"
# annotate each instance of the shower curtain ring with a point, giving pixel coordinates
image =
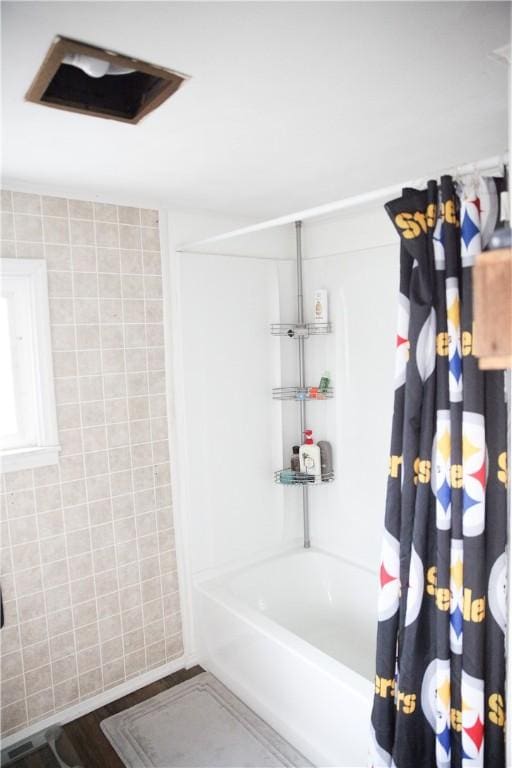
(476, 178)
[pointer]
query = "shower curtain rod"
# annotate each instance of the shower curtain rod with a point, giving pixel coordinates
(488, 164)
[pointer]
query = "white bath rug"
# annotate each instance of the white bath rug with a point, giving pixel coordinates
(197, 724)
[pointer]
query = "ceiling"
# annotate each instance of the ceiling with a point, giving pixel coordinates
(290, 104)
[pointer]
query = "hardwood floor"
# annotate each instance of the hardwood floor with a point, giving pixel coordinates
(86, 737)
(43, 758)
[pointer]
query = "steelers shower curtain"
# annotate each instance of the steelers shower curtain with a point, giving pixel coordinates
(440, 672)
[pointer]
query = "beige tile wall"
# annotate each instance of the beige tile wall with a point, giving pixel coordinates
(88, 568)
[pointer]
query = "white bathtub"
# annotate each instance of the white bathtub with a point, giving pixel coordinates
(294, 637)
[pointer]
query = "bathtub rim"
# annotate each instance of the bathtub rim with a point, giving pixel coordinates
(220, 573)
(216, 589)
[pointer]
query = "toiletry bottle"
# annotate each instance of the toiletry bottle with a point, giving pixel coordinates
(324, 382)
(295, 460)
(320, 311)
(287, 477)
(309, 455)
(325, 459)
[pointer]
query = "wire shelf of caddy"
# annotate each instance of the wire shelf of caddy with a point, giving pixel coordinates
(302, 393)
(300, 331)
(289, 477)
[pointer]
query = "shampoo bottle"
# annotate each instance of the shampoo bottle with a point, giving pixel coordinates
(320, 311)
(309, 456)
(325, 459)
(295, 460)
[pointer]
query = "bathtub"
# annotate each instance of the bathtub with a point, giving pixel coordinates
(294, 637)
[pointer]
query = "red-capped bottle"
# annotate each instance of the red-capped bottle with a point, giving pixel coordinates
(309, 455)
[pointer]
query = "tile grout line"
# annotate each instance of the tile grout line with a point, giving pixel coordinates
(101, 373)
(65, 538)
(44, 594)
(86, 648)
(11, 553)
(97, 549)
(87, 528)
(155, 467)
(130, 445)
(76, 581)
(25, 488)
(66, 680)
(116, 568)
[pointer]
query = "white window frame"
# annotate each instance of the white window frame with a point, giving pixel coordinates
(32, 363)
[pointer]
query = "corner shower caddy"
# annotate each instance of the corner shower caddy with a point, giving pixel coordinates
(301, 393)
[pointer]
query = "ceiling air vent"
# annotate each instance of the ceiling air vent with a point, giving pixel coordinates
(82, 78)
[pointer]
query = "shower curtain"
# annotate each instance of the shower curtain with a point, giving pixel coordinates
(440, 672)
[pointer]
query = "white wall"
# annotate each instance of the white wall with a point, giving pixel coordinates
(226, 428)
(229, 374)
(356, 258)
(231, 436)
(231, 431)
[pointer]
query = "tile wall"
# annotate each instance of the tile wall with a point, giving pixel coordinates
(88, 568)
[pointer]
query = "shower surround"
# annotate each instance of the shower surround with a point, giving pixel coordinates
(290, 631)
(88, 566)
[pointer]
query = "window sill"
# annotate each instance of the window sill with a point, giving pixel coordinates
(29, 458)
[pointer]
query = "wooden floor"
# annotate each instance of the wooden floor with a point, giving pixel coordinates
(86, 737)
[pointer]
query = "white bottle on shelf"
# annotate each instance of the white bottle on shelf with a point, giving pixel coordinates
(320, 309)
(309, 456)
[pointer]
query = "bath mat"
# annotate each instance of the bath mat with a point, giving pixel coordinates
(197, 724)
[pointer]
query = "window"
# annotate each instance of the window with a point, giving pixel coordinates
(28, 423)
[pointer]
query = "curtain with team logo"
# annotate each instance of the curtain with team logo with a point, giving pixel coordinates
(440, 672)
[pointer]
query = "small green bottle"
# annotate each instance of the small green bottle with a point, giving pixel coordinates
(324, 382)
